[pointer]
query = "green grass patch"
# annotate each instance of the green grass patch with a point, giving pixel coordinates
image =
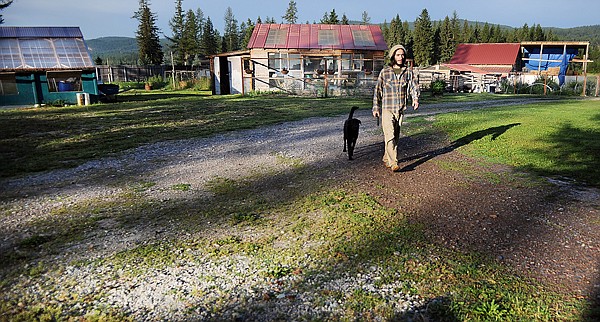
(554, 138)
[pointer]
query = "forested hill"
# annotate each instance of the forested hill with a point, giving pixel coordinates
(584, 33)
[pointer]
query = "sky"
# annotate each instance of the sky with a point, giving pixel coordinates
(103, 18)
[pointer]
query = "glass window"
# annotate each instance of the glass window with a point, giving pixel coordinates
(8, 84)
(363, 38)
(328, 38)
(275, 61)
(276, 37)
(64, 81)
(295, 62)
(71, 53)
(10, 56)
(359, 62)
(38, 53)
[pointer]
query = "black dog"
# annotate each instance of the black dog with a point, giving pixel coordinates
(351, 127)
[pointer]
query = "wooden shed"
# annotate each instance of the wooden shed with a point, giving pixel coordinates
(43, 65)
(313, 59)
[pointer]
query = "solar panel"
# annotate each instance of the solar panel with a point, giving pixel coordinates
(44, 53)
(328, 37)
(363, 38)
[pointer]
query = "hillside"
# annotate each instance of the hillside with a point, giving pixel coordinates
(116, 50)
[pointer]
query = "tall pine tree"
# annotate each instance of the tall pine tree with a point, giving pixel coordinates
(177, 24)
(150, 50)
(209, 43)
(231, 38)
(423, 38)
(291, 14)
(190, 38)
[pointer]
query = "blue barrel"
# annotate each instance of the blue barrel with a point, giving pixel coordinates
(65, 86)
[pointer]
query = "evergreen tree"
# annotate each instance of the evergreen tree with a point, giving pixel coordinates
(447, 44)
(466, 32)
(455, 29)
(3, 5)
(209, 43)
(247, 33)
(231, 41)
(538, 33)
(177, 24)
(365, 18)
(395, 33)
(486, 34)
(330, 18)
(344, 20)
(408, 38)
(423, 40)
(189, 38)
(435, 57)
(523, 33)
(291, 14)
(150, 50)
(476, 34)
(200, 22)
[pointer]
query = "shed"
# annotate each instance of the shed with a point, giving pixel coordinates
(316, 59)
(492, 58)
(42, 65)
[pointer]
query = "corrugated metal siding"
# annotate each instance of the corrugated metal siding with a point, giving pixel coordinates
(486, 54)
(40, 32)
(306, 36)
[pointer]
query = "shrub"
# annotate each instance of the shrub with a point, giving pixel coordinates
(437, 87)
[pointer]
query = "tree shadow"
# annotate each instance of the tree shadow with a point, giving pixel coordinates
(421, 158)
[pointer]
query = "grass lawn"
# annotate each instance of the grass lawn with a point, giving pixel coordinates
(552, 139)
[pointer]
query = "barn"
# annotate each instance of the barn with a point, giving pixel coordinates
(45, 65)
(480, 67)
(313, 59)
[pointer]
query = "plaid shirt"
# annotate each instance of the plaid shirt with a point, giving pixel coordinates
(391, 90)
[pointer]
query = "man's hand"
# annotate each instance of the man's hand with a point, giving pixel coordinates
(376, 114)
(415, 105)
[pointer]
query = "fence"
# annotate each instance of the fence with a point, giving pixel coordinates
(134, 73)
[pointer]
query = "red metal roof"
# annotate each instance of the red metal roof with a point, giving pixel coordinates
(486, 54)
(317, 36)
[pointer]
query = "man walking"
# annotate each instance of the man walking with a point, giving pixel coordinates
(394, 84)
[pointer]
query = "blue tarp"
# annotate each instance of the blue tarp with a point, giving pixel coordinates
(563, 70)
(552, 53)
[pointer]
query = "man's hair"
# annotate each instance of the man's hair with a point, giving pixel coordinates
(393, 60)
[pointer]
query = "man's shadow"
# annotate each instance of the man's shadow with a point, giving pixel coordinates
(421, 158)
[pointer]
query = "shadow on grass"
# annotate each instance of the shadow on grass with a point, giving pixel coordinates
(421, 158)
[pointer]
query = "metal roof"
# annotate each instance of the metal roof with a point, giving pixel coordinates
(317, 36)
(486, 54)
(43, 48)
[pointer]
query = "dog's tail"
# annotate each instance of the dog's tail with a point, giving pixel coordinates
(351, 116)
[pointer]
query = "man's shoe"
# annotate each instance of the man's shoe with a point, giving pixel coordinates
(395, 168)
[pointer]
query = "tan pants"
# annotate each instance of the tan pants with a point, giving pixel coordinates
(390, 122)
